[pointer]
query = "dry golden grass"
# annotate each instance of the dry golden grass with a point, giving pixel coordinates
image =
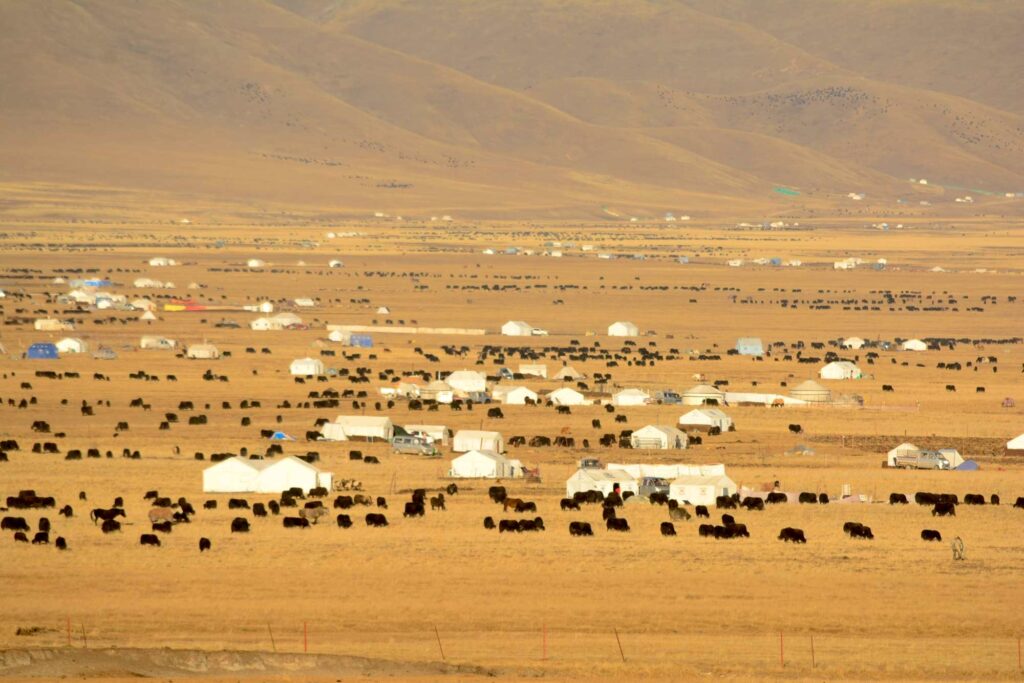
(893, 608)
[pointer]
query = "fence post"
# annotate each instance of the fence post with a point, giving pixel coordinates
(69, 630)
(1019, 667)
(544, 642)
(305, 637)
(85, 638)
(814, 664)
(273, 645)
(621, 653)
(782, 652)
(438, 636)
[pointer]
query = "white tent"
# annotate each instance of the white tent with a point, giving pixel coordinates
(466, 381)
(147, 283)
(631, 397)
(72, 345)
(669, 471)
(368, 427)
(52, 325)
(307, 366)
(439, 391)
(700, 490)
(291, 472)
(437, 434)
(903, 449)
(738, 398)
(335, 263)
(340, 336)
(202, 351)
(262, 325)
(853, 343)
(914, 345)
(484, 464)
(383, 310)
(533, 369)
(567, 397)
(1015, 444)
(588, 479)
(705, 418)
(623, 329)
(703, 394)
(472, 439)
(812, 392)
(658, 437)
(304, 302)
(840, 369)
(153, 342)
(255, 263)
(568, 372)
(159, 261)
(517, 328)
(233, 475)
(148, 315)
(514, 396)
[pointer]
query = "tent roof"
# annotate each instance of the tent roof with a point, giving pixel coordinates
(809, 385)
(491, 455)
(703, 389)
(604, 475)
(362, 420)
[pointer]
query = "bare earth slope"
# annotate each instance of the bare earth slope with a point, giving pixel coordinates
(523, 108)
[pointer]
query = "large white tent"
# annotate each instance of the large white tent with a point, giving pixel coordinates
(154, 342)
(202, 351)
(438, 434)
(703, 394)
(812, 392)
(533, 369)
(517, 328)
(568, 372)
(631, 397)
(514, 396)
(307, 366)
(605, 481)
(914, 345)
(903, 449)
(853, 343)
(704, 419)
(466, 381)
(368, 427)
(659, 437)
(699, 489)
(72, 345)
(623, 328)
(840, 369)
(485, 465)
(473, 439)
(1016, 444)
(240, 475)
(567, 397)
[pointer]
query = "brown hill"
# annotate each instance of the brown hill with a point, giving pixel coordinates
(545, 107)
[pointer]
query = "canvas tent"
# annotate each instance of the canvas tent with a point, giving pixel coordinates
(903, 449)
(703, 394)
(658, 437)
(568, 372)
(466, 381)
(749, 346)
(623, 329)
(42, 351)
(514, 396)
(364, 427)
(1016, 444)
(605, 481)
(153, 342)
(840, 369)
(71, 345)
(914, 345)
(482, 464)
(438, 390)
(630, 397)
(307, 366)
(52, 325)
(437, 434)
(853, 343)
(239, 475)
(812, 392)
(704, 419)
(517, 328)
(255, 263)
(700, 490)
(533, 369)
(472, 439)
(202, 352)
(567, 397)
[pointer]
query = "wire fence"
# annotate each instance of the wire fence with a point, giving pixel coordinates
(543, 647)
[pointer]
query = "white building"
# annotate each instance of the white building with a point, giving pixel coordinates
(517, 328)
(631, 397)
(72, 345)
(840, 369)
(811, 392)
(623, 329)
(363, 427)
(914, 345)
(240, 475)
(162, 261)
(605, 481)
(658, 437)
(466, 381)
(147, 283)
(478, 464)
(476, 440)
(699, 489)
(567, 397)
(307, 366)
(704, 419)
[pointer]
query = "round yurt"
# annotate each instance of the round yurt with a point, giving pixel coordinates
(812, 392)
(703, 394)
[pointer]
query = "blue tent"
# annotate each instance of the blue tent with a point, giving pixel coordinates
(749, 346)
(281, 436)
(43, 351)
(361, 340)
(968, 466)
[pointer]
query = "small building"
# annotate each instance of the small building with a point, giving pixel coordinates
(202, 352)
(466, 381)
(623, 329)
(569, 373)
(162, 261)
(358, 427)
(914, 345)
(567, 397)
(840, 369)
(605, 481)
(705, 420)
(533, 369)
(42, 351)
(703, 395)
(517, 328)
(631, 397)
(335, 263)
(483, 464)
(477, 440)
(307, 366)
(853, 343)
(71, 345)
(700, 490)
(749, 346)
(811, 392)
(658, 437)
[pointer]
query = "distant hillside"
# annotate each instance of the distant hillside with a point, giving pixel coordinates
(533, 107)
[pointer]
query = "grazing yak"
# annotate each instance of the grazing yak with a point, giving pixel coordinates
(668, 529)
(792, 535)
(109, 526)
(580, 529)
(858, 530)
(239, 525)
(60, 543)
(204, 544)
(569, 504)
(376, 519)
(295, 522)
(617, 524)
(943, 510)
(752, 503)
(149, 539)
(343, 521)
(930, 535)
(488, 522)
(898, 499)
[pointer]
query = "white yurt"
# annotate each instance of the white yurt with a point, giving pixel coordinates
(72, 345)
(658, 437)
(517, 328)
(623, 329)
(467, 380)
(567, 397)
(704, 419)
(812, 392)
(703, 394)
(914, 345)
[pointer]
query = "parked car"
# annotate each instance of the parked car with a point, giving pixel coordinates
(649, 485)
(413, 445)
(668, 398)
